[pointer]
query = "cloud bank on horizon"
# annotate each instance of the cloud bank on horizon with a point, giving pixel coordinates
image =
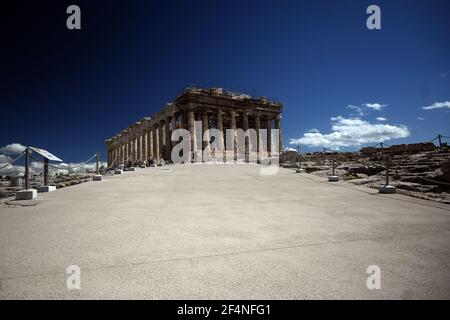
(11, 151)
(348, 132)
(353, 131)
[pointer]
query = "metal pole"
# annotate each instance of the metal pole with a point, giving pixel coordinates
(97, 163)
(45, 172)
(388, 160)
(440, 141)
(333, 166)
(27, 168)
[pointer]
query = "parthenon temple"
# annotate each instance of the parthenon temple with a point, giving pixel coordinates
(149, 139)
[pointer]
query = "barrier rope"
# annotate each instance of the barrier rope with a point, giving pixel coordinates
(12, 161)
(112, 163)
(434, 139)
(65, 168)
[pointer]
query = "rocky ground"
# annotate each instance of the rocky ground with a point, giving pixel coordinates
(425, 175)
(8, 191)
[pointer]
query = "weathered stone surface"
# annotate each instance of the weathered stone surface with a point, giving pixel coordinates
(43, 189)
(368, 170)
(28, 194)
(184, 238)
(427, 172)
(387, 189)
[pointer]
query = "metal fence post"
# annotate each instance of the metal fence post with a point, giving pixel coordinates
(97, 163)
(388, 160)
(27, 168)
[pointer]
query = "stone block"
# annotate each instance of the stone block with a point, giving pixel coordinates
(118, 171)
(97, 177)
(300, 171)
(333, 179)
(28, 194)
(387, 189)
(46, 189)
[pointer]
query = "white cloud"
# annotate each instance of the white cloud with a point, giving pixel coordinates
(12, 170)
(13, 148)
(359, 110)
(420, 118)
(348, 132)
(438, 105)
(63, 168)
(4, 158)
(381, 119)
(313, 130)
(374, 106)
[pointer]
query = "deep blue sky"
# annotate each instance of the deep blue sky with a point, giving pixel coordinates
(67, 91)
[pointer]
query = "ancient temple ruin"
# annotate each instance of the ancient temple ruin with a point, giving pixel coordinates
(149, 139)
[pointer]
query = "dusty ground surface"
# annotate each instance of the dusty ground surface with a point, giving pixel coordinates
(207, 231)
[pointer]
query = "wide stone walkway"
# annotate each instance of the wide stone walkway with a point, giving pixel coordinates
(223, 231)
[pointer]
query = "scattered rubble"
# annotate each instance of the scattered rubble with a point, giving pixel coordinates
(423, 175)
(10, 185)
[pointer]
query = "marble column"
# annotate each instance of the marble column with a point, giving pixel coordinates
(205, 127)
(278, 126)
(130, 150)
(257, 127)
(144, 146)
(246, 139)
(161, 139)
(269, 136)
(155, 143)
(220, 143)
(233, 127)
(168, 135)
(133, 150)
(149, 144)
(180, 119)
(139, 149)
(191, 128)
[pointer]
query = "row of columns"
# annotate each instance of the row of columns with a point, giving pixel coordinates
(151, 142)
